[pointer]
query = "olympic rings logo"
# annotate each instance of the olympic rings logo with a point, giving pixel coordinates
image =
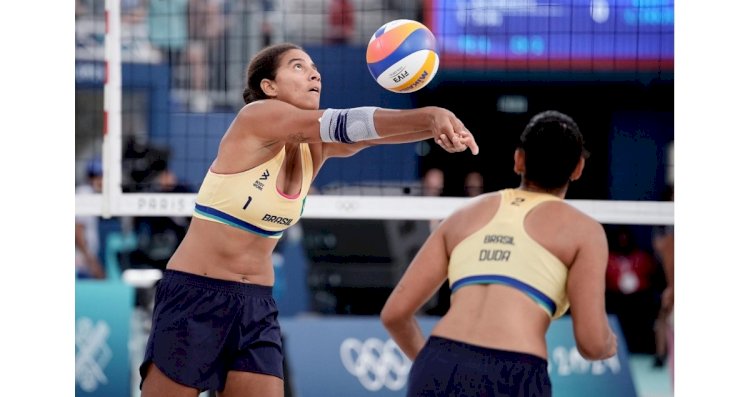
(375, 364)
(347, 205)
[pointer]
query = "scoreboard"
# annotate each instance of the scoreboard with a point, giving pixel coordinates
(554, 34)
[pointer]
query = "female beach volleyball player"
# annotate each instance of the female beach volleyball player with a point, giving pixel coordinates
(515, 260)
(215, 322)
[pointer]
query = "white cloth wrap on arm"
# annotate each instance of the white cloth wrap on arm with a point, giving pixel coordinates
(348, 125)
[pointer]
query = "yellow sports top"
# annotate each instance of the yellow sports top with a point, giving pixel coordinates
(501, 252)
(250, 200)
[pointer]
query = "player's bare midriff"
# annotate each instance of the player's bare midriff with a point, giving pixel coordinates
(219, 251)
(497, 317)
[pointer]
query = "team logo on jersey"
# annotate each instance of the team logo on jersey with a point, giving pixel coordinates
(264, 177)
(498, 239)
(258, 184)
(277, 219)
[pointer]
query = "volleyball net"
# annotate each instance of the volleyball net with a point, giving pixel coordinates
(157, 86)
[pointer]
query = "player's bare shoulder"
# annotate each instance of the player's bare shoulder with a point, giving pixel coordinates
(561, 222)
(254, 110)
(479, 205)
(470, 216)
(564, 230)
(576, 222)
(246, 118)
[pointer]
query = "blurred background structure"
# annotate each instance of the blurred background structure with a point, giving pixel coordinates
(607, 63)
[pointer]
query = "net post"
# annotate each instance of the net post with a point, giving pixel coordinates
(112, 139)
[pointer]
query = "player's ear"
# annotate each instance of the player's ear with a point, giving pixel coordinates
(269, 88)
(519, 160)
(578, 170)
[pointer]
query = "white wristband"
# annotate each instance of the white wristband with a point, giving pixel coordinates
(348, 125)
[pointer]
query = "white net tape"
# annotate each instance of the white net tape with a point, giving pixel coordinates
(375, 207)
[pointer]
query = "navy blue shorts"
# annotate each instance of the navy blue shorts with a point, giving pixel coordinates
(447, 367)
(204, 327)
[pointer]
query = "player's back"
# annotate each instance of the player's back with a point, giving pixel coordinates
(510, 253)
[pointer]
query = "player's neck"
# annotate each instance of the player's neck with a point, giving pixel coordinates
(532, 187)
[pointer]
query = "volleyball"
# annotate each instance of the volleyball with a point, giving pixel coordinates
(402, 56)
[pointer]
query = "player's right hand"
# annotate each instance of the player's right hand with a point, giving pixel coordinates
(450, 133)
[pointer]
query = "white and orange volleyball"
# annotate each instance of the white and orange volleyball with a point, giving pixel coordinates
(402, 56)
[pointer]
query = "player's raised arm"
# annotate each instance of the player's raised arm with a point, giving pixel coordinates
(278, 120)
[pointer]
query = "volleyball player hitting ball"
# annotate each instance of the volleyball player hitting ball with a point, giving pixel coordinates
(215, 322)
(515, 260)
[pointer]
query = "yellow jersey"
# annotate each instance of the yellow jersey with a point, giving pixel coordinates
(501, 252)
(250, 200)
